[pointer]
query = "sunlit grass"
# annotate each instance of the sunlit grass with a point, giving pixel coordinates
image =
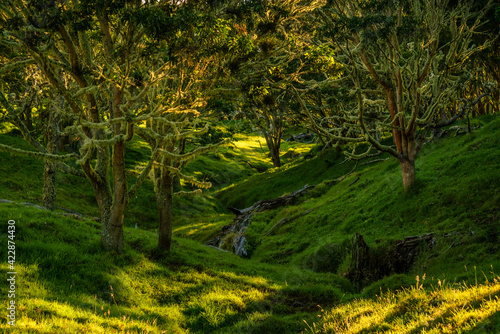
(201, 228)
(457, 193)
(437, 308)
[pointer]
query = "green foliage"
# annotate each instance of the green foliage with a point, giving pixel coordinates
(220, 106)
(175, 49)
(73, 193)
(456, 193)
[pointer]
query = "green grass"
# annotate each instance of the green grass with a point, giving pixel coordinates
(437, 307)
(457, 192)
(24, 183)
(66, 284)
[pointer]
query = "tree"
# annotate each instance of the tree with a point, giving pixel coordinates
(403, 60)
(89, 52)
(268, 62)
(486, 63)
(167, 135)
(33, 110)
(173, 106)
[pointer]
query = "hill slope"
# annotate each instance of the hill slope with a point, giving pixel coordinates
(65, 283)
(456, 198)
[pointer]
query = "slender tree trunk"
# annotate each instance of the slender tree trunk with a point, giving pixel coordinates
(274, 150)
(49, 171)
(112, 236)
(105, 202)
(111, 219)
(480, 109)
(272, 132)
(405, 142)
(99, 179)
(164, 200)
(275, 156)
(112, 204)
(408, 172)
(49, 185)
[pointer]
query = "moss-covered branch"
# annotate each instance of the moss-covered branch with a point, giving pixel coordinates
(38, 155)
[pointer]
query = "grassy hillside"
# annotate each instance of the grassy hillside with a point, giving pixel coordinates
(23, 181)
(456, 198)
(66, 284)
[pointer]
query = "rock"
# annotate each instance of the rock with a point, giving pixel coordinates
(301, 137)
(240, 246)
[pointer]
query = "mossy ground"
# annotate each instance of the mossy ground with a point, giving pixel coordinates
(66, 284)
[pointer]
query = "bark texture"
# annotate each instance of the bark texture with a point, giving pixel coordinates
(49, 171)
(408, 172)
(274, 149)
(164, 200)
(114, 226)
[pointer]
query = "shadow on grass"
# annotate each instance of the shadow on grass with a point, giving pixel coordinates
(488, 325)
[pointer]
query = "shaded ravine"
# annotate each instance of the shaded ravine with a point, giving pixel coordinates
(243, 219)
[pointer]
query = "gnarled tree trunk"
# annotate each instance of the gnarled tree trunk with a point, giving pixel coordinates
(111, 214)
(112, 201)
(113, 240)
(408, 172)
